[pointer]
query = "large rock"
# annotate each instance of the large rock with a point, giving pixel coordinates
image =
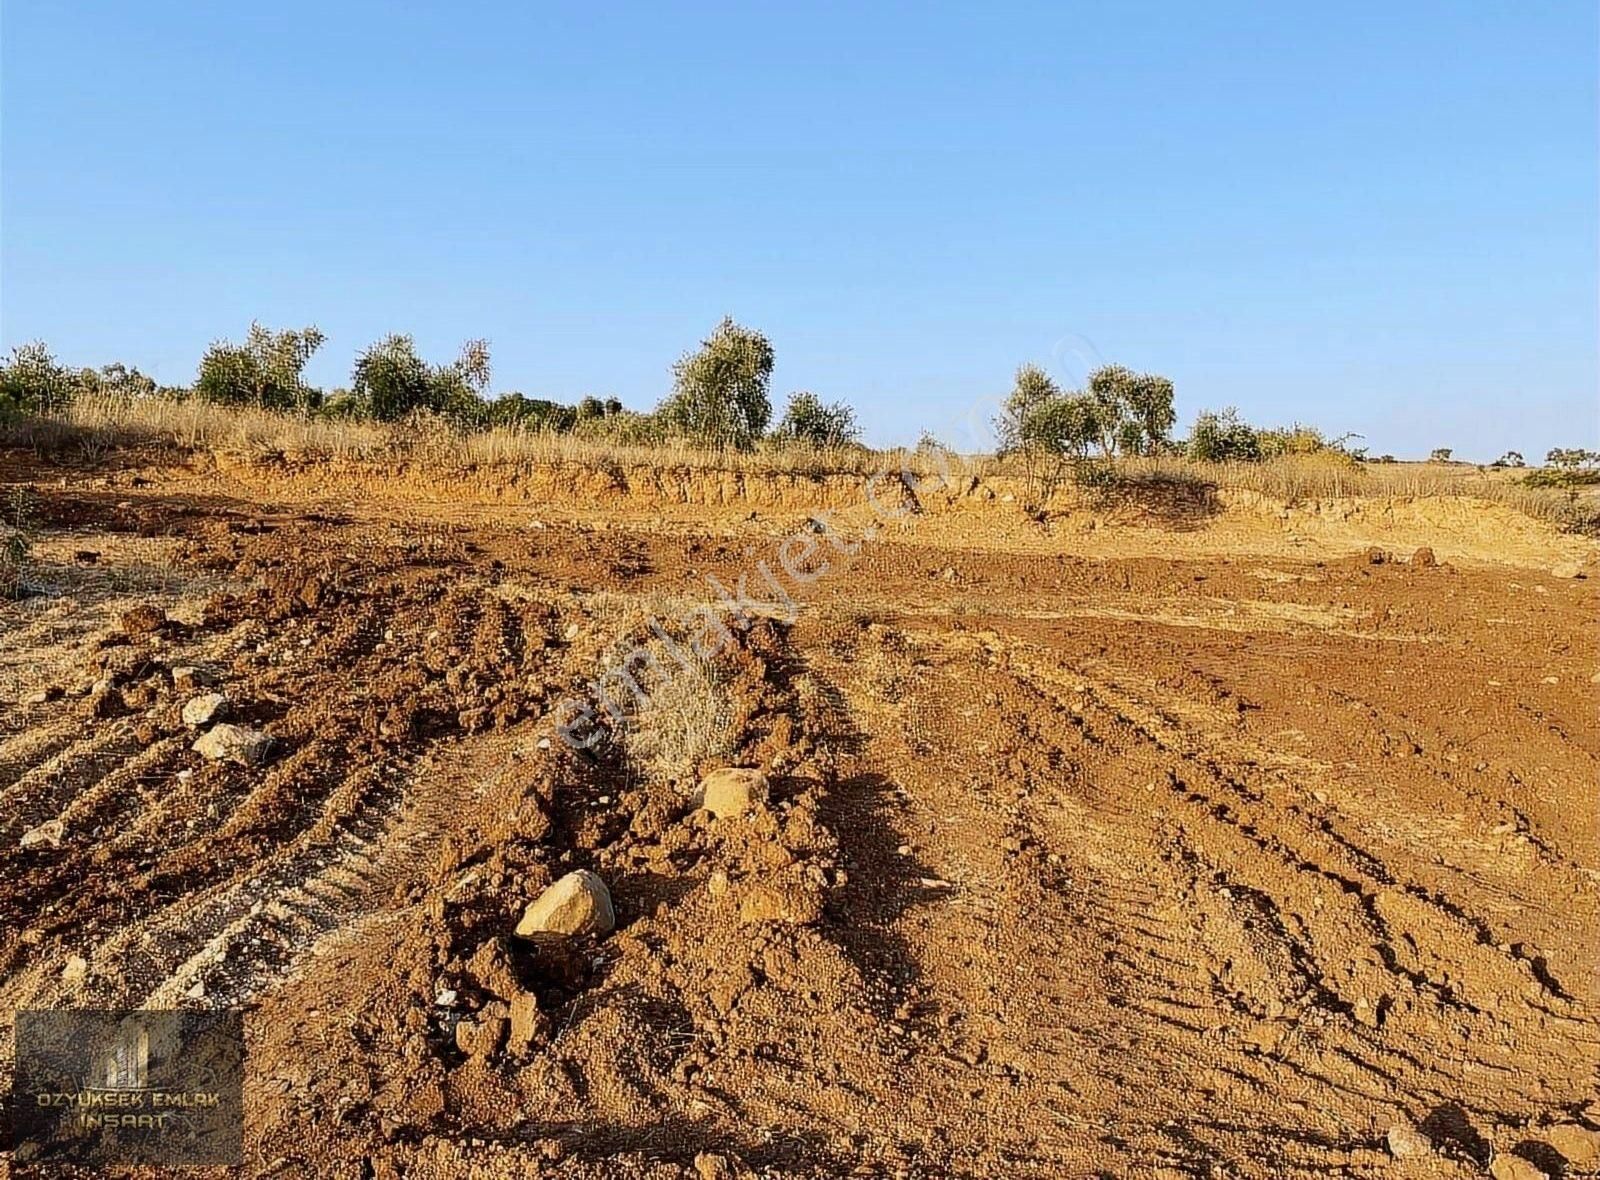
(730, 791)
(1577, 1143)
(579, 903)
(234, 743)
(1424, 557)
(204, 709)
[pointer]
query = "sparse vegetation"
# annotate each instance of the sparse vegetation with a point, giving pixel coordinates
(32, 382)
(1440, 455)
(15, 544)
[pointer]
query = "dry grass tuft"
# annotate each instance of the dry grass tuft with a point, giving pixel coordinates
(683, 721)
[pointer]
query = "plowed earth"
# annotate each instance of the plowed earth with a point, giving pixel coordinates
(1074, 865)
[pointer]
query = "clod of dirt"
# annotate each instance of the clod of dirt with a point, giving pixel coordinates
(44, 696)
(235, 743)
(733, 790)
(1408, 1143)
(578, 903)
(204, 709)
(46, 835)
(1578, 1144)
(1514, 1167)
(529, 1027)
(144, 620)
(709, 1165)
(1376, 556)
(793, 904)
(1424, 558)
(1567, 569)
(482, 1035)
(188, 679)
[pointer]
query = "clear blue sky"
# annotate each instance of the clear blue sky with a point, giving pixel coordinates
(1373, 217)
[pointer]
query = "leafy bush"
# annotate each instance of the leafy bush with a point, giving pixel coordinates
(1135, 410)
(1510, 459)
(531, 413)
(1440, 455)
(719, 394)
(32, 382)
(1223, 438)
(264, 371)
(1569, 467)
(1291, 440)
(393, 381)
(1572, 457)
(809, 422)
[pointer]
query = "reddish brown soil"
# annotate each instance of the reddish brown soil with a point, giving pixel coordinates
(1076, 865)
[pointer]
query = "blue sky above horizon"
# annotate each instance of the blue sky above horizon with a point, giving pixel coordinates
(1373, 218)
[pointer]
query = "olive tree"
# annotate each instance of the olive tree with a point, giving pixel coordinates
(809, 421)
(719, 393)
(265, 371)
(1135, 409)
(393, 381)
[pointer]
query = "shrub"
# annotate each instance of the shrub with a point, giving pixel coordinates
(393, 381)
(32, 382)
(1572, 457)
(1223, 438)
(1290, 440)
(719, 394)
(1440, 455)
(15, 543)
(531, 413)
(264, 371)
(1510, 459)
(809, 422)
(1030, 389)
(1569, 467)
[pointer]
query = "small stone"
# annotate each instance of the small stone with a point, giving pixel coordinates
(1567, 569)
(1424, 557)
(46, 835)
(197, 990)
(731, 791)
(1514, 1167)
(578, 903)
(234, 743)
(75, 971)
(1408, 1143)
(717, 883)
(45, 695)
(204, 709)
(1578, 1144)
(444, 997)
(188, 678)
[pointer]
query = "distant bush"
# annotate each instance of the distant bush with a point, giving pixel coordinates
(32, 382)
(531, 413)
(1223, 437)
(1569, 467)
(264, 371)
(809, 422)
(719, 396)
(393, 381)
(1510, 459)
(1440, 455)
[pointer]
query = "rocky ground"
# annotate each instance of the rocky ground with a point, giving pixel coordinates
(1060, 862)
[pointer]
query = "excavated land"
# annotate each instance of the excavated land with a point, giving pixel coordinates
(1197, 838)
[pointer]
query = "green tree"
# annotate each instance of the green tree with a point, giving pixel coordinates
(1136, 409)
(1223, 438)
(1440, 455)
(394, 381)
(1030, 389)
(807, 420)
(719, 393)
(264, 371)
(33, 382)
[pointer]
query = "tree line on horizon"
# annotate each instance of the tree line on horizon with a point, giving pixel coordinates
(720, 398)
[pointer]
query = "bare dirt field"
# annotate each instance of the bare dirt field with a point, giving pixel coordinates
(1186, 840)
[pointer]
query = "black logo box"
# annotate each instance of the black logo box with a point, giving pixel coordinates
(108, 1086)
